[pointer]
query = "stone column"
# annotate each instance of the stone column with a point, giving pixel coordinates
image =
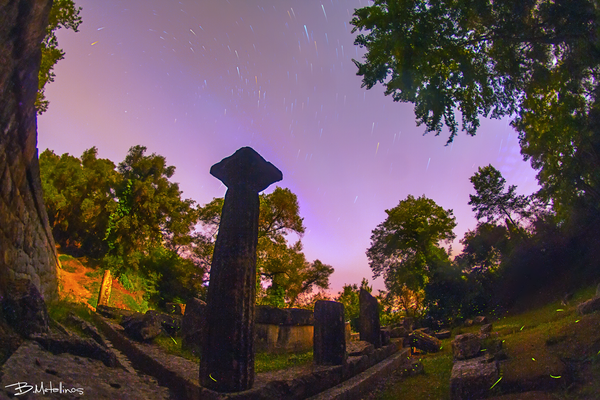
(105, 288)
(368, 320)
(227, 359)
(329, 341)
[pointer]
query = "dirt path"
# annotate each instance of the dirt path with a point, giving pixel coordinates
(73, 281)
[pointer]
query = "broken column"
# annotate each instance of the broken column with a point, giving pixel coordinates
(368, 320)
(227, 358)
(105, 288)
(329, 340)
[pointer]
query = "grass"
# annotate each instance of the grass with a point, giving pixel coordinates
(537, 341)
(173, 346)
(58, 311)
(265, 362)
(434, 383)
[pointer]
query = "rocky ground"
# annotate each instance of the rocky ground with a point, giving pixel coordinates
(32, 369)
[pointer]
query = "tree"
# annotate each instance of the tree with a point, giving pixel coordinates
(483, 248)
(493, 202)
(349, 297)
(405, 248)
(63, 14)
(534, 60)
(79, 195)
(150, 212)
(282, 267)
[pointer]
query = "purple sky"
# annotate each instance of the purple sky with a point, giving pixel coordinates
(196, 80)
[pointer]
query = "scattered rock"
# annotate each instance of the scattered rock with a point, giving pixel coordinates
(385, 337)
(480, 320)
(445, 334)
(170, 323)
(424, 330)
(466, 346)
(24, 308)
(191, 325)
(142, 328)
(87, 328)
(398, 332)
(468, 322)
(114, 313)
(34, 365)
(359, 348)
(487, 328)
(58, 344)
(425, 342)
(588, 307)
(472, 379)
(175, 308)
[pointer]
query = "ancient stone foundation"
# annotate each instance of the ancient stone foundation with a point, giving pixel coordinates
(26, 244)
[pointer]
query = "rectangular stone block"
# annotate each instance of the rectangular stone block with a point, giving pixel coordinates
(472, 379)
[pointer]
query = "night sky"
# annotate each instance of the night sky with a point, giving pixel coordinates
(196, 80)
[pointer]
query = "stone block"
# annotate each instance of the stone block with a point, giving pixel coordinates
(192, 324)
(329, 333)
(465, 346)
(359, 348)
(445, 334)
(368, 320)
(487, 328)
(425, 342)
(472, 379)
(588, 307)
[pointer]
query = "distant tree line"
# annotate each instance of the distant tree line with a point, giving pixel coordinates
(133, 219)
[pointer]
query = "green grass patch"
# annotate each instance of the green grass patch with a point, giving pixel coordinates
(265, 362)
(93, 301)
(65, 257)
(173, 346)
(434, 383)
(58, 311)
(95, 274)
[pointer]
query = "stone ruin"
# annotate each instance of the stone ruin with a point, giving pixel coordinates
(329, 343)
(227, 360)
(368, 320)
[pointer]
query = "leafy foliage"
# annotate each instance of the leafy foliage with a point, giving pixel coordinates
(493, 202)
(132, 218)
(281, 266)
(349, 297)
(79, 197)
(63, 14)
(405, 247)
(535, 60)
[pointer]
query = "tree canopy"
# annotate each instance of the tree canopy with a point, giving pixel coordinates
(405, 248)
(493, 202)
(63, 14)
(281, 266)
(537, 61)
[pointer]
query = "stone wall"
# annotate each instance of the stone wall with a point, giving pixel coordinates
(26, 244)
